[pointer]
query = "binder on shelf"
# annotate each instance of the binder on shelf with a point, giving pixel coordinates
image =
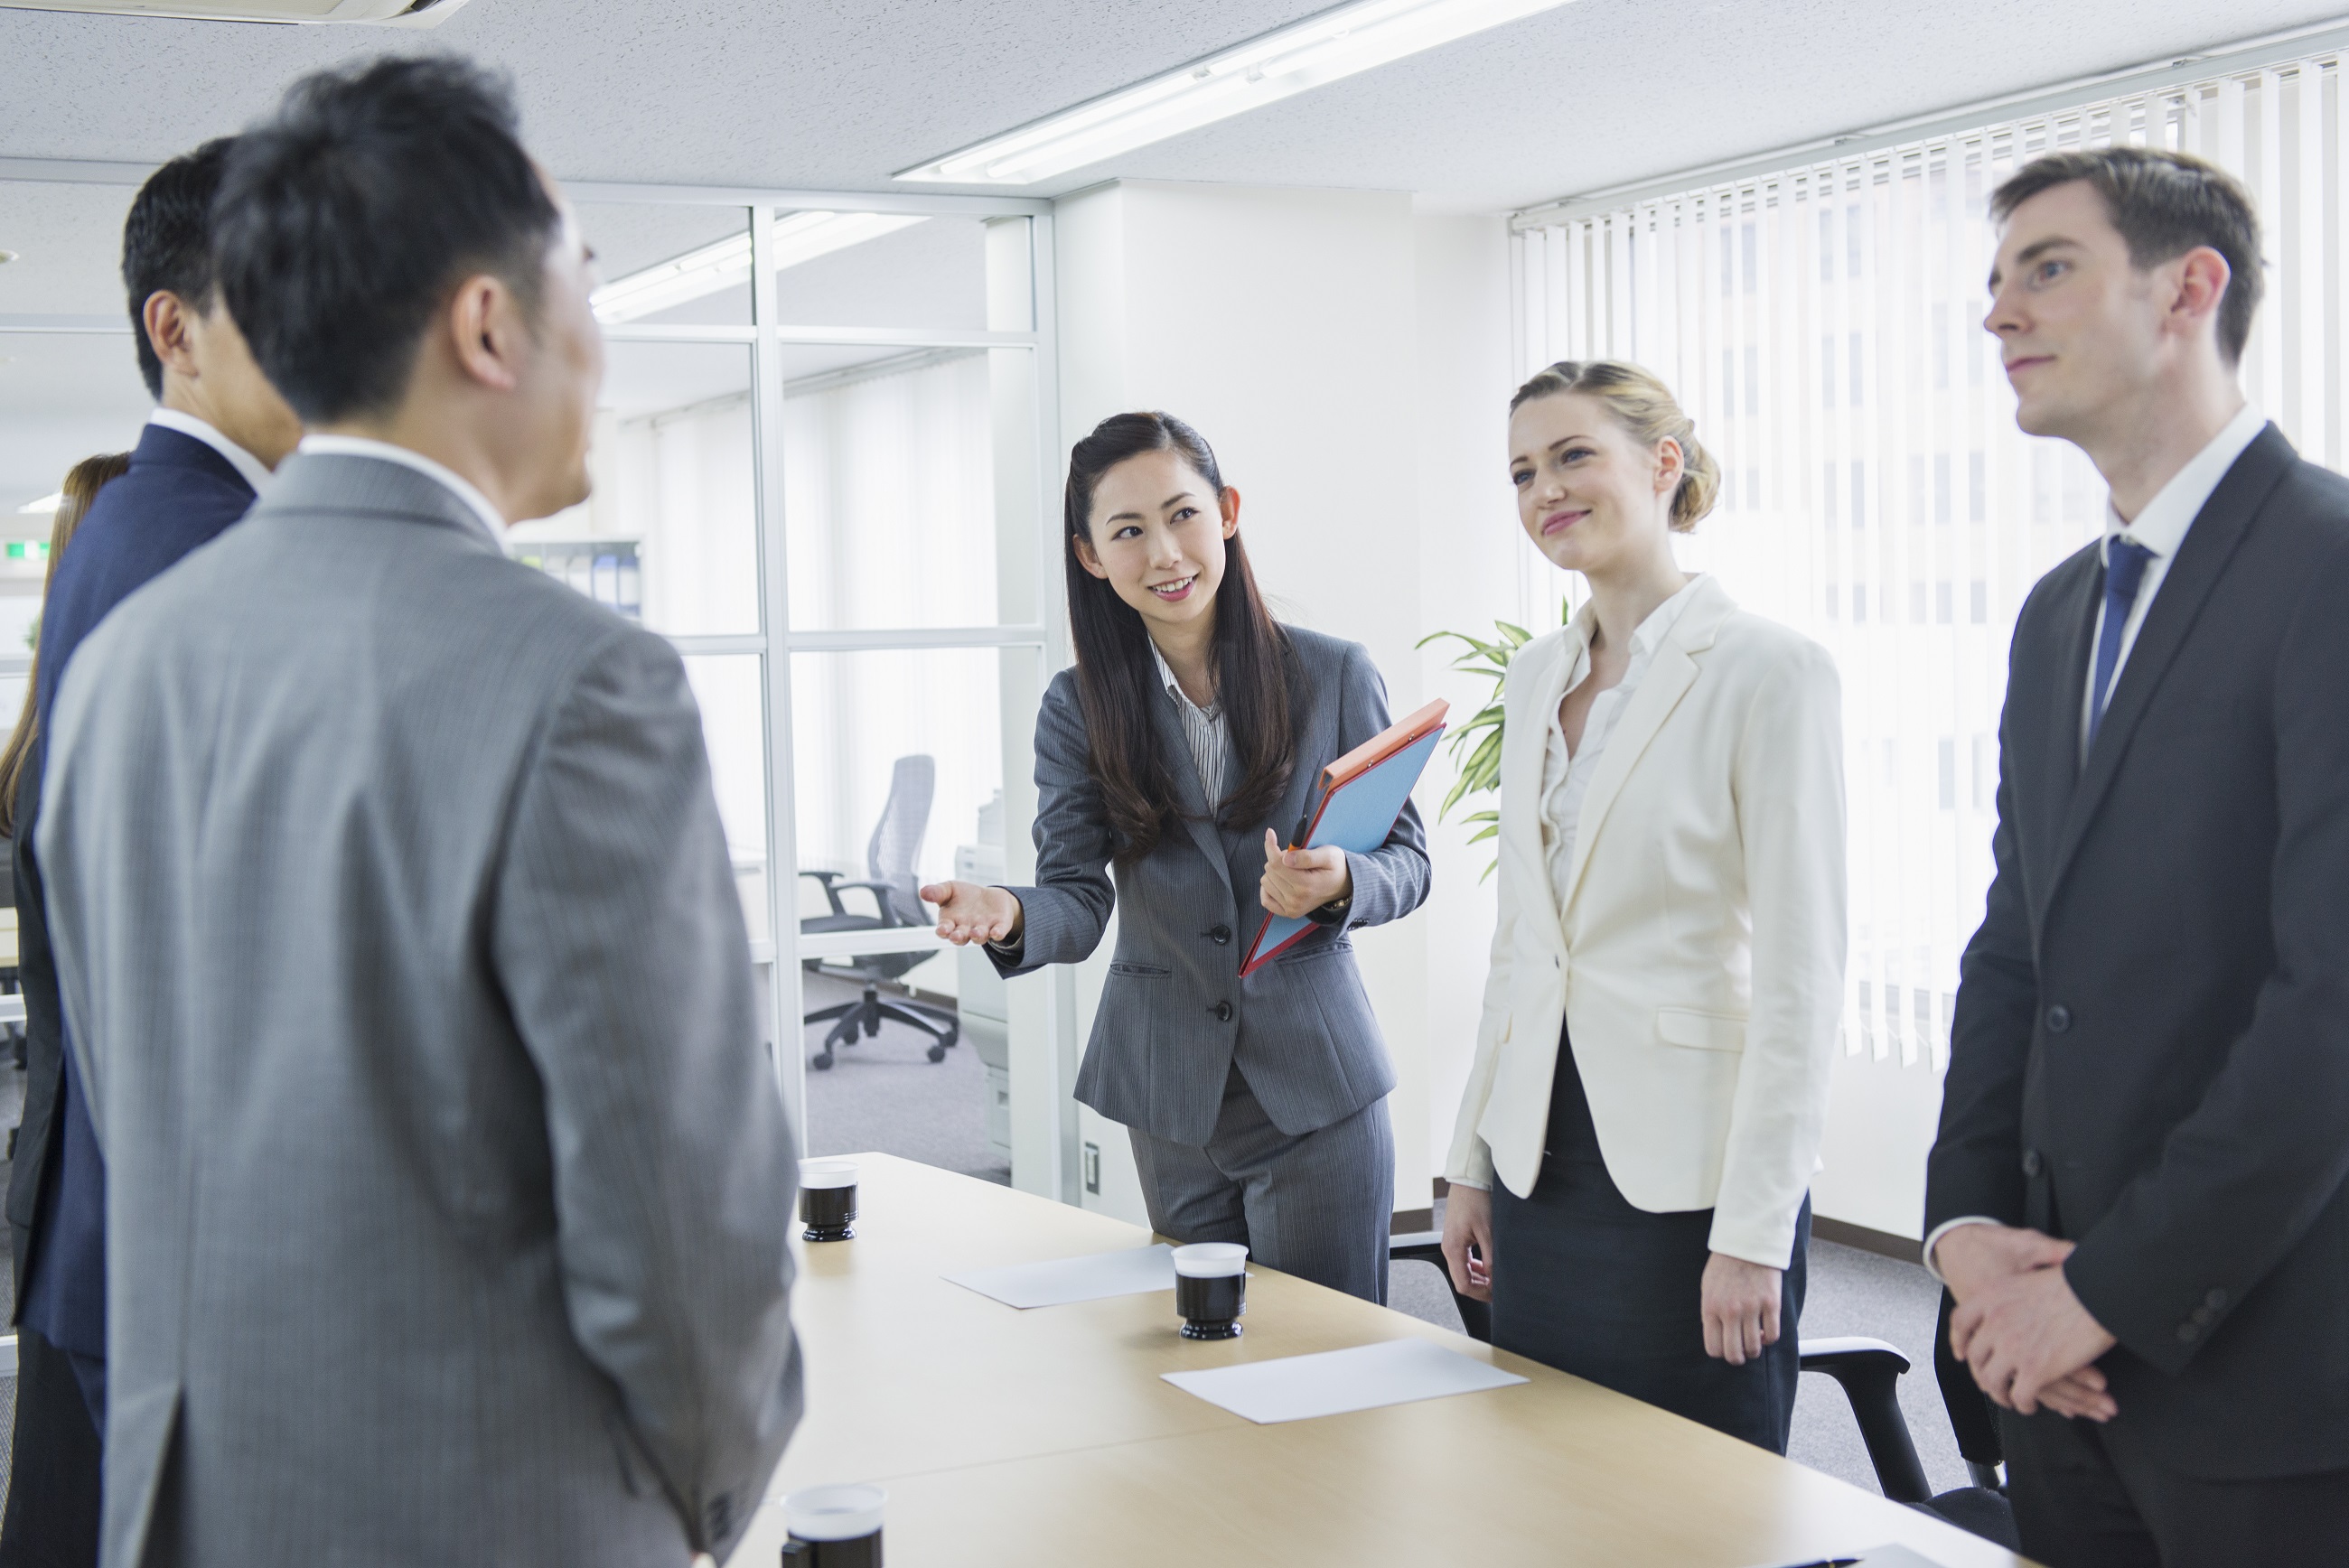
(1353, 806)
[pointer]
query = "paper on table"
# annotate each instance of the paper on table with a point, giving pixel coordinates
(1060, 1280)
(1299, 1387)
(1875, 1557)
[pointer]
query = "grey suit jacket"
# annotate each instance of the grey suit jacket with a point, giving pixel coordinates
(1174, 1015)
(400, 948)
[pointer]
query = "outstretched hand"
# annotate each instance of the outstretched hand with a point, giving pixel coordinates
(970, 912)
(1298, 882)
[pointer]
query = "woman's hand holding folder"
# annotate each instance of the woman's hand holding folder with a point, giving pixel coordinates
(1298, 882)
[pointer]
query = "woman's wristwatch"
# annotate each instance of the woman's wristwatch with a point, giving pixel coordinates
(1334, 913)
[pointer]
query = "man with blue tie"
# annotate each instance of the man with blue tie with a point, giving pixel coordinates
(2137, 1196)
(218, 430)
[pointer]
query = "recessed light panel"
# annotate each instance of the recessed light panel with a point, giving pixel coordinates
(1294, 60)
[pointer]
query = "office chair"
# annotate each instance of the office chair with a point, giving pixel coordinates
(895, 890)
(1869, 1371)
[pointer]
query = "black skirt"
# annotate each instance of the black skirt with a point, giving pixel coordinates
(1585, 1283)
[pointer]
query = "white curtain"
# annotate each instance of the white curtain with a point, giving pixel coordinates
(1823, 327)
(889, 518)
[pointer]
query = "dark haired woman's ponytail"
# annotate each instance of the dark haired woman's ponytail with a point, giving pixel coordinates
(1117, 679)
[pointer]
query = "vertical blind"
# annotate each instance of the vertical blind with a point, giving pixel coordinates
(1822, 324)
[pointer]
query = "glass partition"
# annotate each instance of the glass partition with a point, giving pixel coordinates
(896, 509)
(669, 265)
(856, 714)
(884, 270)
(669, 537)
(885, 516)
(733, 726)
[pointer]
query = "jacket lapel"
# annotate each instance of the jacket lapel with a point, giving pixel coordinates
(2061, 758)
(2218, 529)
(1669, 674)
(1198, 819)
(1524, 745)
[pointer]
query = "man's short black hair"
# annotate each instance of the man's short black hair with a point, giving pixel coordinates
(167, 243)
(2165, 204)
(344, 221)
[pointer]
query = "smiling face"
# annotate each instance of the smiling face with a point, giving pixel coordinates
(1155, 535)
(1590, 496)
(2080, 327)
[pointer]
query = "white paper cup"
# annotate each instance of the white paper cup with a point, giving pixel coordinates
(827, 1172)
(848, 1513)
(1211, 1259)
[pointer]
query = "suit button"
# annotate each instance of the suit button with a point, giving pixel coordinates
(1220, 934)
(2216, 1300)
(2031, 1163)
(2059, 1018)
(2200, 1314)
(2188, 1333)
(1223, 1011)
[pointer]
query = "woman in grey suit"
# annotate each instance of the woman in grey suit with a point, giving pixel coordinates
(1168, 762)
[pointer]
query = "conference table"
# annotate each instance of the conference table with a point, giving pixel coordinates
(1047, 1436)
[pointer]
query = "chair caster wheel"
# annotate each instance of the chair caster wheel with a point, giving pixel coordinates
(872, 1028)
(823, 1063)
(938, 1053)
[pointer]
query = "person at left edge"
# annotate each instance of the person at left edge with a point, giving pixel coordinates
(217, 431)
(1169, 763)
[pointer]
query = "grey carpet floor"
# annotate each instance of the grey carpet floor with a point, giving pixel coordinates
(885, 1095)
(882, 1095)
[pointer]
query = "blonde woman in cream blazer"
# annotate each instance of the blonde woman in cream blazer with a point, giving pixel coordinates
(1630, 1178)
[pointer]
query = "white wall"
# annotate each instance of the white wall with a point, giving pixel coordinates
(1469, 572)
(1336, 350)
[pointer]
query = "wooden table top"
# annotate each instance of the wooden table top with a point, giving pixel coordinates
(1047, 1436)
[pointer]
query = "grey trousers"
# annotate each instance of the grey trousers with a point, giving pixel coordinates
(1318, 1204)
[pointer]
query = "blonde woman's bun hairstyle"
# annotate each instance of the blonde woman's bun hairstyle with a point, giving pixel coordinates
(1645, 407)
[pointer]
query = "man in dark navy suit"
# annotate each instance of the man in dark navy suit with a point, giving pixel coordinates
(218, 431)
(2137, 1193)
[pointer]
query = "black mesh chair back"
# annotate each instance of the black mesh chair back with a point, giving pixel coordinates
(896, 844)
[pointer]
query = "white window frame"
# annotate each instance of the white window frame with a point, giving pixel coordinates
(1041, 1160)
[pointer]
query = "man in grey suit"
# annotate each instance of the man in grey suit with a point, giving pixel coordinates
(396, 935)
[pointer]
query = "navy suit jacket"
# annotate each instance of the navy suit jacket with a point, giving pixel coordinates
(2150, 1054)
(178, 494)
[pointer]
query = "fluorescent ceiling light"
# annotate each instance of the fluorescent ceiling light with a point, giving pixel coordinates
(802, 237)
(383, 12)
(47, 503)
(1294, 60)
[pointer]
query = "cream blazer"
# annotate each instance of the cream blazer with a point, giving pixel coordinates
(1698, 956)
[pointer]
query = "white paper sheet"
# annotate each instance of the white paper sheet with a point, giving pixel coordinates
(1875, 1557)
(1299, 1387)
(1060, 1280)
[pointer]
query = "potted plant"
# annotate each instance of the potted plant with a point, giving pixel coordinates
(1476, 744)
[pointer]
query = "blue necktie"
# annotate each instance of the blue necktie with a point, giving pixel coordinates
(2123, 569)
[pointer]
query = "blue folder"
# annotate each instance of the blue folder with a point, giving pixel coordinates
(1353, 807)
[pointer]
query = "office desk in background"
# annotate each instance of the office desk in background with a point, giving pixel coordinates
(1047, 1436)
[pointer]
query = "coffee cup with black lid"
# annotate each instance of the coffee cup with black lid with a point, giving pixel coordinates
(828, 1200)
(1211, 1288)
(833, 1527)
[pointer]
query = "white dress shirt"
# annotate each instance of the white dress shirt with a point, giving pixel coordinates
(1204, 732)
(446, 477)
(2160, 527)
(1567, 772)
(252, 470)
